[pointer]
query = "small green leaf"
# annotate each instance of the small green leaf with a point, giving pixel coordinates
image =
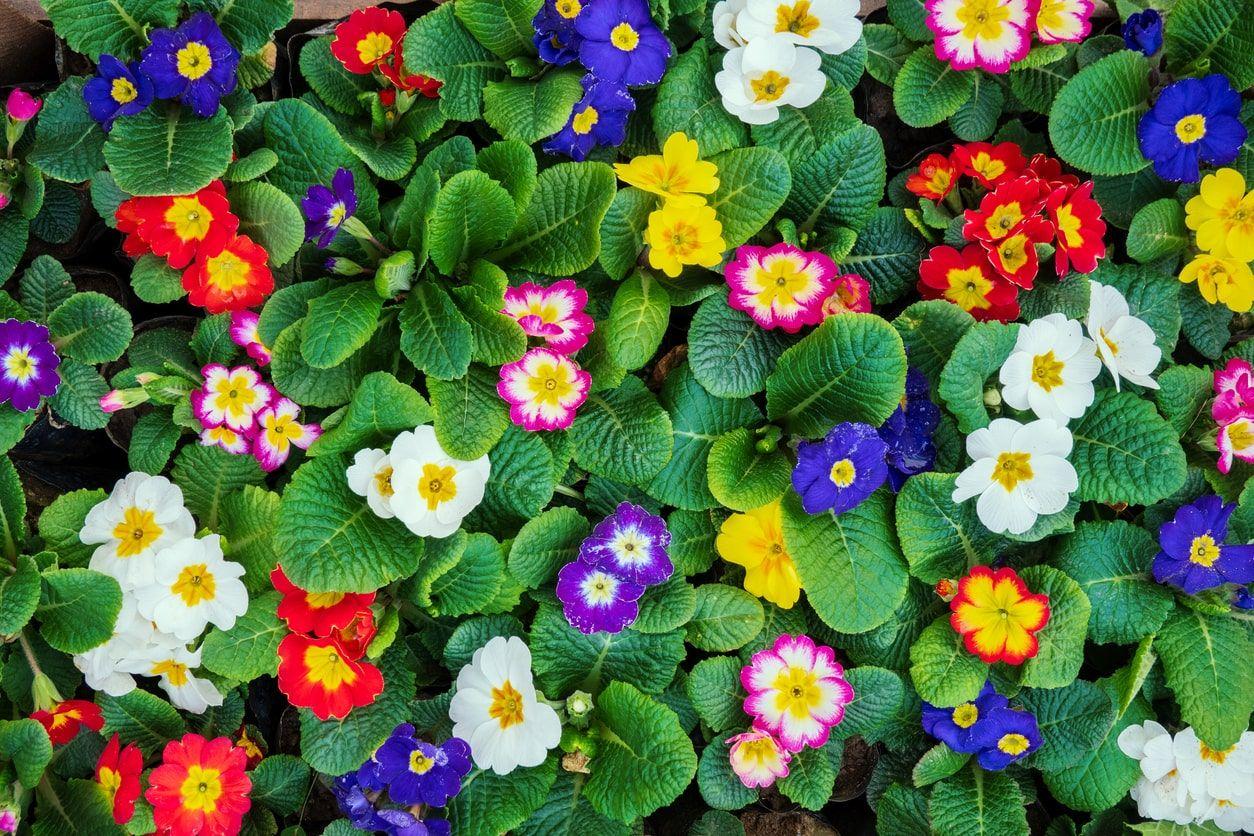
(77, 609)
(340, 323)
(91, 328)
(726, 618)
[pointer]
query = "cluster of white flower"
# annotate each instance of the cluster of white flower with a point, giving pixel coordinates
(768, 64)
(1186, 782)
(1020, 471)
(173, 587)
(418, 483)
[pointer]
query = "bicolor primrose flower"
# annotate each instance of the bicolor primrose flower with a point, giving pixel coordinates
(969, 281)
(850, 294)
(988, 34)
(678, 175)
(1051, 369)
(1222, 214)
(231, 397)
(1019, 472)
(184, 228)
(117, 89)
(278, 431)
(1223, 280)
(989, 164)
(998, 616)
(769, 73)
(496, 710)
(679, 236)
(595, 600)
(758, 759)
(367, 39)
(780, 286)
(327, 208)
(191, 587)
(630, 544)
(1195, 120)
(621, 43)
(235, 278)
(142, 515)
(1079, 230)
(414, 771)
(1063, 21)
(118, 771)
(63, 720)
(554, 313)
(370, 476)
(1125, 343)
(755, 540)
(325, 676)
(320, 613)
(830, 26)
(194, 63)
(935, 178)
(1234, 392)
(1192, 553)
(797, 692)
(200, 787)
(1235, 441)
(244, 333)
(235, 442)
(432, 491)
(841, 471)
(543, 389)
(29, 364)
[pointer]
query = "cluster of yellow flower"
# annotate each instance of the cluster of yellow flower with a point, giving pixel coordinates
(1222, 215)
(686, 229)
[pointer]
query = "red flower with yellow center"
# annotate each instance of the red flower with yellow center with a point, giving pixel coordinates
(987, 163)
(997, 616)
(1003, 210)
(1078, 225)
(1014, 256)
(117, 773)
(935, 178)
(323, 676)
(969, 281)
(233, 279)
(66, 718)
(200, 787)
(1049, 172)
(368, 39)
(320, 613)
(188, 227)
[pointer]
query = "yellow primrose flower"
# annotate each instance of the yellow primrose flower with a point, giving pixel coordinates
(678, 175)
(681, 235)
(1222, 214)
(755, 540)
(1223, 280)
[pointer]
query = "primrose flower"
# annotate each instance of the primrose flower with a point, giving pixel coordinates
(432, 491)
(118, 771)
(117, 89)
(21, 106)
(325, 676)
(367, 39)
(133, 638)
(987, 163)
(797, 692)
(233, 441)
(955, 727)
(182, 229)
(1192, 553)
(988, 34)
(780, 286)
(370, 476)
(829, 26)
(1003, 210)
(839, 472)
(64, 719)
(1236, 440)
(678, 175)
(1063, 21)
(767, 74)
(1195, 120)
(1159, 793)
(495, 708)
(1222, 214)
(326, 209)
(998, 616)
(1124, 343)
(231, 397)
(555, 37)
(595, 600)
(907, 433)
(417, 772)
(543, 389)
(1078, 228)
(1051, 369)
(755, 540)
(1014, 256)
(29, 364)
(758, 759)
(1143, 32)
(1226, 775)
(1234, 390)
(725, 15)
(630, 544)
(143, 515)
(969, 281)
(194, 63)
(554, 313)
(1224, 280)
(278, 431)
(191, 587)
(935, 178)
(1007, 736)
(1019, 472)
(850, 294)
(681, 235)
(320, 613)
(621, 43)
(173, 664)
(597, 119)
(234, 279)
(200, 787)
(244, 333)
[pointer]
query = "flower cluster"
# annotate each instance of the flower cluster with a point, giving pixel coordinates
(1222, 215)
(620, 46)
(1193, 554)
(1193, 121)
(992, 34)
(986, 727)
(371, 42)
(623, 556)
(244, 415)
(997, 615)
(1233, 411)
(29, 364)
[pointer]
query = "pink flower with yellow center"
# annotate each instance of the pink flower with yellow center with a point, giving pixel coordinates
(555, 313)
(1063, 21)
(232, 441)
(279, 430)
(797, 692)
(231, 396)
(1236, 441)
(543, 389)
(988, 34)
(758, 759)
(781, 286)
(851, 294)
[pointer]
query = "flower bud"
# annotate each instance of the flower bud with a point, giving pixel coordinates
(579, 706)
(22, 106)
(8, 819)
(44, 694)
(992, 397)
(946, 589)
(341, 266)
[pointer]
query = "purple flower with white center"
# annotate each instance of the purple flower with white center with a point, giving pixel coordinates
(194, 63)
(1008, 735)
(595, 600)
(1193, 555)
(599, 118)
(117, 89)
(956, 727)
(417, 772)
(908, 432)
(555, 37)
(631, 545)
(28, 364)
(326, 210)
(621, 42)
(840, 471)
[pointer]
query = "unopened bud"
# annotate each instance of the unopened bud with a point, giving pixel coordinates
(992, 397)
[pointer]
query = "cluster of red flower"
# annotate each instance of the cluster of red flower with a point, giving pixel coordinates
(1025, 203)
(373, 39)
(197, 233)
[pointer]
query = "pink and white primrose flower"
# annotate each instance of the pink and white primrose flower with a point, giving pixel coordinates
(797, 692)
(757, 759)
(1234, 392)
(237, 443)
(1235, 441)
(244, 334)
(279, 430)
(780, 286)
(555, 313)
(988, 34)
(231, 396)
(1063, 21)
(851, 294)
(543, 389)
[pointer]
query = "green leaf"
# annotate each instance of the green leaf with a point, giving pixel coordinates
(811, 778)
(977, 357)
(19, 595)
(545, 544)
(719, 786)
(78, 398)
(798, 133)
(248, 519)
(44, 287)
(470, 417)
(473, 213)
(434, 336)
(623, 434)
(531, 110)
(333, 83)
(280, 783)
(438, 46)
(726, 618)
(752, 185)
(468, 583)
(1094, 119)
(249, 24)
(207, 475)
(930, 330)
(1183, 394)
(141, 718)
(565, 659)
(1125, 452)
(1073, 720)
(851, 368)
(732, 355)
(688, 101)
(887, 254)
(928, 91)
(1215, 695)
(850, 564)
(503, 26)
(155, 281)
(340, 323)
(269, 217)
(310, 150)
(637, 322)
(25, 745)
(168, 150)
(1036, 84)
(976, 803)
(716, 694)
(567, 812)
(78, 806)
(91, 328)
(937, 763)
(250, 649)
(741, 476)
(559, 231)
(879, 697)
(1157, 231)
(12, 510)
(977, 118)
(118, 27)
(381, 408)
(14, 232)
(77, 609)
(943, 671)
(1061, 641)
(939, 538)
(490, 804)
(1218, 36)
(153, 440)
(841, 184)
(887, 50)
(60, 523)
(69, 144)
(622, 231)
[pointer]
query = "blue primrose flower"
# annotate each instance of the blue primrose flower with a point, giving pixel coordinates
(326, 210)
(1143, 31)
(404, 823)
(955, 727)
(599, 118)
(1193, 121)
(631, 545)
(556, 39)
(840, 471)
(194, 63)
(594, 600)
(621, 42)
(117, 89)
(1008, 735)
(354, 804)
(908, 432)
(1193, 555)
(414, 771)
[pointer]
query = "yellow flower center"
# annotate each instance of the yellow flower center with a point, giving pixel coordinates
(585, 120)
(174, 672)
(683, 241)
(1014, 252)
(1111, 344)
(374, 47)
(383, 482)
(759, 751)
(194, 61)
(1003, 219)
(195, 584)
(965, 715)
(1241, 434)
(569, 9)
(110, 781)
(1013, 744)
(769, 86)
(506, 706)
(1011, 469)
(780, 281)
(201, 788)
(842, 473)
(19, 365)
(599, 588)
(234, 396)
(796, 692)
(1191, 128)
(982, 18)
(227, 271)
(796, 19)
(1214, 755)
(1204, 551)
(968, 289)
(337, 215)
(122, 91)
(1047, 371)
(988, 166)
(437, 485)
(323, 600)
(551, 384)
(1069, 226)
(624, 37)
(281, 430)
(420, 764)
(327, 668)
(190, 218)
(136, 532)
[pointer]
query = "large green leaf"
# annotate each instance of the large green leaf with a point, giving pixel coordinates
(752, 185)
(118, 27)
(1215, 694)
(250, 648)
(743, 477)
(381, 407)
(623, 434)
(438, 46)
(927, 91)
(1060, 650)
(69, 144)
(77, 609)
(473, 213)
(565, 659)
(269, 217)
(943, 671)
(977, 357)
(559, 231)
(637, 322)
(1125, 452)
(978, 803)
(168, 150)
(1094, 119)
(1073, 720)
(503, 26)
(434, 335)
(726, 618)
(940, 539)
(489, 804)
(1217, 34)
(470, 416)
(531, 110)
(732, 355)
(841, 184)
(688, 101)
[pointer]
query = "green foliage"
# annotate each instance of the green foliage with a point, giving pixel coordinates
(1092, 123)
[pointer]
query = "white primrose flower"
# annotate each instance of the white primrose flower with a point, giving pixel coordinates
(726, 13)
(133, 637)
(174, 666)
(495, 709)
(1051, 369)
(1159, 793)
(432, 490)
(370, 475)
(143, 515)
(1019, 472)
(1126, 344)
(831, 26)
(192, 586)
(768, 73)
(1221, 774)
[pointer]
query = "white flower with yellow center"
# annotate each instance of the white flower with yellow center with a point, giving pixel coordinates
(432, 491)
(831, 26)
(192, 586)
(174, 666)
(134, 637)
(1221, 774)
(370, 475)
(1019, 472)
(143, 515)
(1051, 369)
(771, 72)
(726, 14)
(496, 711)
(1126, 344)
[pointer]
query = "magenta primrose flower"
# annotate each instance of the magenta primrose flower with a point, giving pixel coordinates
(554, 313)
(781, 286)
(543, 389)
